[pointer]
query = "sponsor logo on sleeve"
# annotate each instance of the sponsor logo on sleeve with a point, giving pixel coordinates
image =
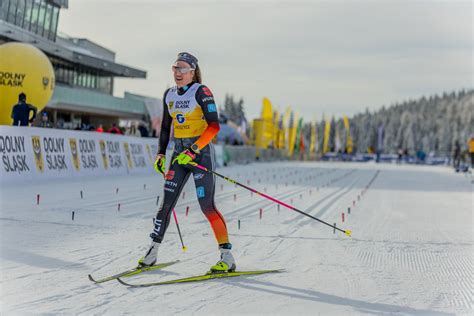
(207, 91)
(211, 107)
(206, 99)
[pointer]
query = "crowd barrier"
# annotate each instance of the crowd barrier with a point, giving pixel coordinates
(30, 153)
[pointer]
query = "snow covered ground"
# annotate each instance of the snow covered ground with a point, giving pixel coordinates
(411, 251)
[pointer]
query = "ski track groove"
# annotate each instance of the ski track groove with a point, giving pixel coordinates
(329, 194)
(451, 269)
(433, 263)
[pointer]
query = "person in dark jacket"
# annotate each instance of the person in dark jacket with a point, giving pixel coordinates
(21, 112)
(456, 155)
(45, 121)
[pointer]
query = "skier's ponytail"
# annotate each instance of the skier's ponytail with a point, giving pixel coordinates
(197, 75)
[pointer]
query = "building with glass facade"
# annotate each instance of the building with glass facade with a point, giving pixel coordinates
(84, 70)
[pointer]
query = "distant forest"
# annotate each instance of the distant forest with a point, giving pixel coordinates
(430, 124)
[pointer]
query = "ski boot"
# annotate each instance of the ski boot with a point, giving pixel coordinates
(227, 262)
(150, 257)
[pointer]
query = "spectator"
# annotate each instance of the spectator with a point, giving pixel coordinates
(420, 156)
(143, 130)
(60, 123)
(406, 155)
(114, 129)
(456, 155)
(400, 155)
(21, 112)
(100, 129)
(45, 121)
(133, 131)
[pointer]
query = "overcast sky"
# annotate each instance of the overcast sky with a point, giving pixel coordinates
(332, 57)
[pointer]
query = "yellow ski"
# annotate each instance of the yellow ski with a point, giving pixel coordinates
(131, 272)
(204, 277)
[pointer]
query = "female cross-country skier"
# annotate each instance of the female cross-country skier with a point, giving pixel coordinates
(190, 108)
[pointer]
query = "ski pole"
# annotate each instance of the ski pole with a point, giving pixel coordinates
(348, 232)
(179, 231)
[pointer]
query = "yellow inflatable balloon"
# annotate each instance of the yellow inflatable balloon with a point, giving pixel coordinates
(23, 68)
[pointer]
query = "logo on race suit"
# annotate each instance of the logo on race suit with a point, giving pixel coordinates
(171, 184)
(211, 107)
(207, 91)
(148, 150)
(182, 104)
(170, 105)
(207, 99)
(75, 156)
(36, 143)
(198, 176)
(127, 154)
(157, 227)
(180, 118)
(200, 192)
(103, 152)
(169, 175)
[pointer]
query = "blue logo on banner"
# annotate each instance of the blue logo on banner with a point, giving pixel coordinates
(211, 107)
(200, 192)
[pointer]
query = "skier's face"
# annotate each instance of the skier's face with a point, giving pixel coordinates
(183, 73)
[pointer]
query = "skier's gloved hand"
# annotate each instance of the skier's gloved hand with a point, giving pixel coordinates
(185, 157)
(160, 163)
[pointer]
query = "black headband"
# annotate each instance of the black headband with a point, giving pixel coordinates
(188, 58)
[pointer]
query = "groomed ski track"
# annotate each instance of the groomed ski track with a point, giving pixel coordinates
(411, 252)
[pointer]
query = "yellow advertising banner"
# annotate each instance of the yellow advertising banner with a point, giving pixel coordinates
(327, 132)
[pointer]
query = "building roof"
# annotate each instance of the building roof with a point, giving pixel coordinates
(61, 3)
(77, 51)
(88, 101)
